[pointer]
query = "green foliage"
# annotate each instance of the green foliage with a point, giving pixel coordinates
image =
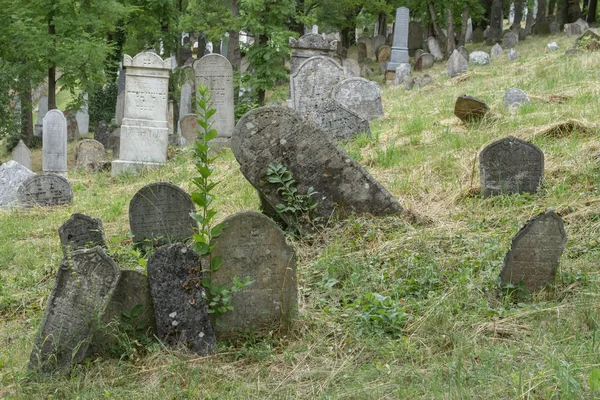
(376, 313)
(130, 338)
(102, 103)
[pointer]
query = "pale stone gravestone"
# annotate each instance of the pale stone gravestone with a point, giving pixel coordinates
(378, 42)
(469, 33)
(12, 175)
(54, 142)
(510, 165)
(120, 106)
(76, 303)
(415, 37)
(361, 96)
(214, 71)
(535, 252)
(83, 117)
(496, 50)
(102, 133)
(352, 67)
(21, 154)
(514, 97)
(72, 126)
(253, 246)
(338, 122)
(400, 45)
(419, 53)
(89, 153)
(185, 103)
(463, 52)
(314, 161)
(478, 35)
(144, 134)
(383, 54)
(553, 46)
(434, 48)
(80, 232)
(161, 211)
(470, 109)
(42, 110)
(456, 65)
(180, 307)
(45, 190)
(402, 73)
(368, 41)
(479, 58)
(189, 128)
(510, 40)
(352, 53)
(425, 61)
(512, 54)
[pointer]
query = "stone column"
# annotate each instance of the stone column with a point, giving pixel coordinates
(400, 43)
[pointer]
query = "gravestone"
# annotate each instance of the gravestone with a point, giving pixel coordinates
(470, 109)
(214, 71)
(180, 308)
(514, 97)
(78, 299)
(378, 42)
(21, 154)
(161, 211)
(572, 29)
(469, 32)
(362, 52)
(83, 117)
(144, 134)
(368, 41)
(314, 161)
(535, 252)
(114, 142)
(510, 165)
(496, 50)
(456, 65)
(425, 61)
(352, 53)
(45, 190)
(583, 25)
(415, 37)
(554, 27)
(542, 28)
(72, 126)
(361, 96)
(338, 122)
(352, 67)
(510, 40)
(189, 128)
(402, 73)
(478, 35)
(512, 54)
(434, 48)
(102, 133)
(120, 106)
(400, 45)
(383, 54)
(185, 104)
(463, 52)
(79, 232)
(42, 110)
(253, 246)
(89, 153)
(54, 142)
(12, 175)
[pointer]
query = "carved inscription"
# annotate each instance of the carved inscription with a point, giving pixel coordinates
(45, 190)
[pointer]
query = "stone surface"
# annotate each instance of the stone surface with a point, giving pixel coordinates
(352, 67)
(434, 48)
(514, 97)
(510, 165)
(253, 246)
(362, 52)
(72, 126)
(402, 72)
(120, 106)
(180, 306)
(554, 27)
(80, 232)
(535, 252)
(308, 46)
(383, 54)
(479, 58)
(161, 211)
(496, 50)
(368, 41)
(42, 110)
(102, 133)
(21, 154)
(83, 117)
(185, 103)
(338, 122)
(76, 303)
(589, 41)
(470, 109)
(418, 82)
(583, 25)
(378, 42)
(12, 175)
(553, 46)
(469, 32)
(399, 53)
(189, 128)
(425, 61)
(478, 35)
(361, 96)
(419, 53)
(463, 52)
(170, 118)
(415, 37)
(352, 53)
(510, 40)
(54, 142)
(342, 184)
(45, 190)
(89, 153)
(572, 29)
(456, 65)
(512, 54)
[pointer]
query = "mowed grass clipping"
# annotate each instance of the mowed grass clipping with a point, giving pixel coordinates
(389, 307)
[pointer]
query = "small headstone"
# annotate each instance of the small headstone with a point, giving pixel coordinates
(383, 54)
(399, 53)
(362, 52)
(253, 246)
(72, 126)
(402, 72)
(180, 307)
(12, 175)
(425, 61)
(77, 302)
(434, 48)
(361, 96)
(80, 232)
(83, 117)
(478, 35)
(510, 165)
(21, 154)
(368, 41)
(512, 54)
(496, 50)
(510, 40)
(554, 27)
(470, 109)
(514, 97)
(572, 29)
(479, 58)
(415, 37)
(161, 211)
(42, 110)
(189, 128)
(89, 153)
(45, 190)
(553, 46)
(102, 133)
(337, 121)
(352, 53)
(456, 65)
(54, 142)
(352, 67)
(463, 52)
(535, 252)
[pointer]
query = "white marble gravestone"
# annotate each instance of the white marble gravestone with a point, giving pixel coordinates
(54, 142)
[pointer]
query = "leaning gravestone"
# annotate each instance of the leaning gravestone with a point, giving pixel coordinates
(338, 122)
(470, 109)
(434, 48)
(514, 97)
(510, 165)
(314, 161)
(89, 153)
(79, 232)
(308, 46)
(45, 190)
(161, 211)
(456, 65)
(353, 53)
(54, 142)
(102, 133)
(22, 155)
(180, 308)
(189, 128)
(77, 301)
(12, 175)
(535, 252)
(253, 246)
(359, 95)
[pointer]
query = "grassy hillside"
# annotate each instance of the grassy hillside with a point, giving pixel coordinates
(389, 308)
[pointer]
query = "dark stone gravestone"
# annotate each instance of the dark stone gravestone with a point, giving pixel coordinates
(79, 232)
(510, 165)
(535, 252)
(161, 211)
(102, 133)
(361, 96)
(253, 246)
(510, 40)
(478, 35)
(12, 175)
(415, 37)
(180, 307)
(514, 97)
(45, 190)
(72, 126)
(74, 308)
(470, 109)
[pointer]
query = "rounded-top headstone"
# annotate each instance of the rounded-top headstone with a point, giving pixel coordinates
(359, 95)
(80, 232)
(514, 97)
(89, 153)
(45, 190)
(54, 142)
(189, 128)
(510, 40)
(470, 109)
(12, 175)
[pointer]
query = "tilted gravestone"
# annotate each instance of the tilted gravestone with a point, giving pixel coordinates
(189, 128)
(89, 153)
(180, 307)
(434, 48)
(54, 142)
(273, 135)
(45, 190)
(400, 45)
(338, 122)
(514, 97)
(470, 109)
(359, 95)
(535, 252)
(161, 211)
(102, 133)
(253, 246)
(12, 175)
(79, 232)
(353, 53)
(510, 165)
(456, 65)
(22, 155)
(308, 46)
(75, 306)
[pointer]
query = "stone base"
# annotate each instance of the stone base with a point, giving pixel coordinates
(133, 167)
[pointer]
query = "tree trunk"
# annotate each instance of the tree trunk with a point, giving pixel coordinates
(551, 7)
(541, 12)
(438, 31)
(261, 39)
(26, 113)
(592, 10)
(382, 24)
(563, 14)
(463, 26)
(51, 75)
(529, 20)
(233, 51)
(347, 36)
(451, 44)
(518, 15)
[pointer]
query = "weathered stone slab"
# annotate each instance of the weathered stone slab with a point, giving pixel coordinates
(185, 103)
(479, 58)
(514, 97)
(120, 106)
(510, 165)
(378, 42)
(89, 153)
(359, 95)
(45, 190)
(352, 67)
(425, 61)
(76, 304)
(189, 128)
(180, 307)
(478, 36)
(253, 246)
(434, 48)
(83, 117)
(54, 142)
(402, 73)
(496, 50)
(368, 41)
(12, 175)
(337, 121)
(512, 54)
(307, 46)
(102, 133)
(22, 155)
(535, 252)
(510, 40)
(383, 54)
(572, 29)
(42, 111)
(72, 126)
(80, 232)
(161, 211)
(415, 37)
(470, 109)
(456, 65)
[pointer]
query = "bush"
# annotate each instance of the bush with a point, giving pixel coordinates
(102, 103)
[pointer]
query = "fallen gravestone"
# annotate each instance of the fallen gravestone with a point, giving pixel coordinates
(456, 65)
(589, 41)
(470, 109)
(102, 133)
(22, 155)
(496, 50)
(89, 153)
(180, 307)
(514, 97)
(359, 95)
(12, 175)
(479, 58)
(510, 165)
(79, 232)
(535, 252)
(337, 121)
(45, 190)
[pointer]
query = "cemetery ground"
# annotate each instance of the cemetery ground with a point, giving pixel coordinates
(390, 307)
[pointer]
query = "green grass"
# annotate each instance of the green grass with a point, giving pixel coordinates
(389, 308)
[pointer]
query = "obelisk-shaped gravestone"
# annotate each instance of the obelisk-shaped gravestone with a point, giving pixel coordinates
(400, 44)
(54, 142)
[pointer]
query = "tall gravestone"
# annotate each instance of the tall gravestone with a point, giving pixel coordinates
(185, 103)
(12, 175)
(21, 154)
(510, 165)
(215, 71)
(400, 44)
(102, 133)
(79, 232)
(42, 110)
(361, 96)
(77, 302)
(83, 117)
(535, 252)
(45, 190)
(308, 46)
(54, 142)
(144, 133)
